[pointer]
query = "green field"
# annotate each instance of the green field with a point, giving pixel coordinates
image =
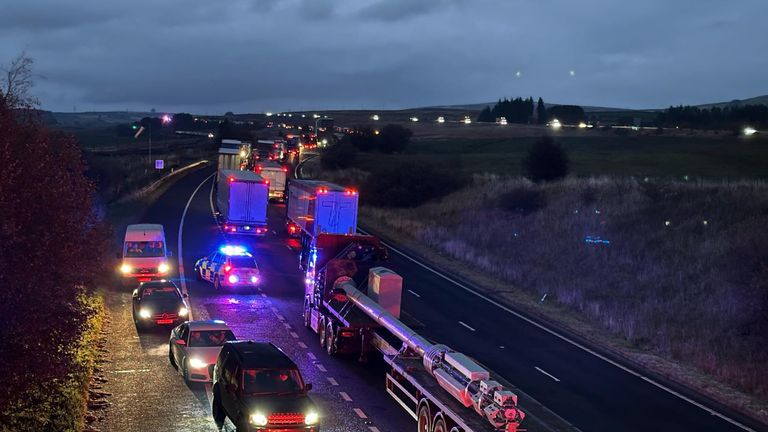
(655, 156)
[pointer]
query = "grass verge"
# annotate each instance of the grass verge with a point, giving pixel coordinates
(60, 405)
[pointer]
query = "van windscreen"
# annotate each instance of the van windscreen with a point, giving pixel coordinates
(143, 249)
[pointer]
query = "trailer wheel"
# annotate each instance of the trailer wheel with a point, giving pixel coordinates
(321, 332)
(424, 417)
(307, 315)
(439, 425)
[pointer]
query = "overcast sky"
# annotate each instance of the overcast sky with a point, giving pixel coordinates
(258, 55)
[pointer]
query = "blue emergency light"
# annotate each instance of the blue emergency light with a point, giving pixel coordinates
(233, 250)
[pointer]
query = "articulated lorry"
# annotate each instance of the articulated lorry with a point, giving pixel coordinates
(242, 198)
(354, 304)
(276, 174)
(319, 207)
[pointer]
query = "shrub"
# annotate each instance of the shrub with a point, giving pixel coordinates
(409, 184)
(545, 161)
(338, 156)
(394, 138)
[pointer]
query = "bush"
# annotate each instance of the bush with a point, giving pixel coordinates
(338, 156)
(394, 138)
(545, 161)
(409, 184)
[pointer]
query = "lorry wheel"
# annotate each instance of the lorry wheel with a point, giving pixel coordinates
(218, 412)
(307, 316)
(321, 333)
(329, 347)
(216, 283)
(439, 426)
(422, 424)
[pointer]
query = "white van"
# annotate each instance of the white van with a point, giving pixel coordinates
(144, 255)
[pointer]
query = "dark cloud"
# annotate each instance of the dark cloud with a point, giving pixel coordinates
(255, 55)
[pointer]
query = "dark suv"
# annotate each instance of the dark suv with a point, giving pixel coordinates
(259, 388)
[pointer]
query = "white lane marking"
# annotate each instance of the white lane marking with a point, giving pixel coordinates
(210, 200)
(466, 325)
(289, 248)
(303, 345)
(345, 396)
(373, 429)
(180, 250)
(274, 232)
(566, 339)
(131, 371)
(332, 381)
(545, 373)
(312, 356)
(321, 368)
(264, 295)
(294, 335)
(414, 293)
(280, 317)
(360, 413)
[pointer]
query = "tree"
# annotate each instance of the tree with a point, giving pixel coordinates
(486, 116)
(16, 83)
(541, 112)
(394, 138)
(363, 138)
(53, 243)
(545, 161)
(338, 156)
(567, 114)
(183, 121)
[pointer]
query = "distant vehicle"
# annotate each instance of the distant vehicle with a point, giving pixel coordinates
(318, 207)
(467, 120)
(144, 255)
(158, 303)
(194, 347)
(501, 121)
(441, 119)
(259, 388)
(242, 198)
(276, 174)
(230, 266)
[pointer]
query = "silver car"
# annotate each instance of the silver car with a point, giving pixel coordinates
(194, 348)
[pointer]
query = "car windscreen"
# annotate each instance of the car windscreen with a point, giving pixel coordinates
(162, 293)
(210, 338)
(242, 262)
(272, 381)
(143, 249)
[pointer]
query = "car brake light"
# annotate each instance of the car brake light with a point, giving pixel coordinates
(227, 268)
(233, 229)
(347, 334)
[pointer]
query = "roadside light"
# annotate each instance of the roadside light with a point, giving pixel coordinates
(134, 126)
(183, 311)
(749, 131)
(414, 119)
(376, 132)
(125, 269)
(258, 419)
(311, 418)
(163, 268)
(145, 313)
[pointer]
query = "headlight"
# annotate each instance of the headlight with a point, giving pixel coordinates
(258, 419)
(125, 269)
(311, 418)
(196, 363)
(163, 268)
(183, 311)
(145, 313)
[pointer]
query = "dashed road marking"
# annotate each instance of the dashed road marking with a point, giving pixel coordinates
(287, 326)
(131, 371)
(294, 335)
(414, 293)
(345, 396)
(264, 295)
(289, 248)
(466, 325)
(303, 345)
(332, 381)
(360, 413)
(280, 317)
(373, 429)
(312, 356)
(321, 368)
(545, 373)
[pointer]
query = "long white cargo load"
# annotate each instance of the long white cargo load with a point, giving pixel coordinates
(276, 174)
(318, 207)
(242, 198)
(229, 159)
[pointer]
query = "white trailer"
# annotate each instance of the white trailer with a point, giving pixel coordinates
(276, 174)
(242, 198)
(229, 159)
(319, 207)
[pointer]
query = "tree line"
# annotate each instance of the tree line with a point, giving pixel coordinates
(524, 111)
(736, 117)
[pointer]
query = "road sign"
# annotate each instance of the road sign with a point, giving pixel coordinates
(159, 164)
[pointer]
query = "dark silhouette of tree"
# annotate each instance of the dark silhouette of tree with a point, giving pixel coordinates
(726, 118)
(517, 110)
(229, 114)
(409, 184)
(225, 130)
(567, 114)
(52, 242)
(16, 83)
(338, 156)
(545, 161)
(183, 121)
(394, 138)
(541, 112)
(486, 116)
(363, 138)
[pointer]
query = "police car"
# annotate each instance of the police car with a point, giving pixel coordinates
(230, 266)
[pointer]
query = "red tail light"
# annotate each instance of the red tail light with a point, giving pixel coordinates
(266, 181)
(231, 179)
(227, 268)
(285, 169)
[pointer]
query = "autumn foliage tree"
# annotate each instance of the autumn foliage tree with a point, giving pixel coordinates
(51, 249)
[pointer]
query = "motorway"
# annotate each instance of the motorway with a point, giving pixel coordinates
(581, 386)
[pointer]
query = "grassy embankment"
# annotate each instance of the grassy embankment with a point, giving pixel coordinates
(681, 285)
